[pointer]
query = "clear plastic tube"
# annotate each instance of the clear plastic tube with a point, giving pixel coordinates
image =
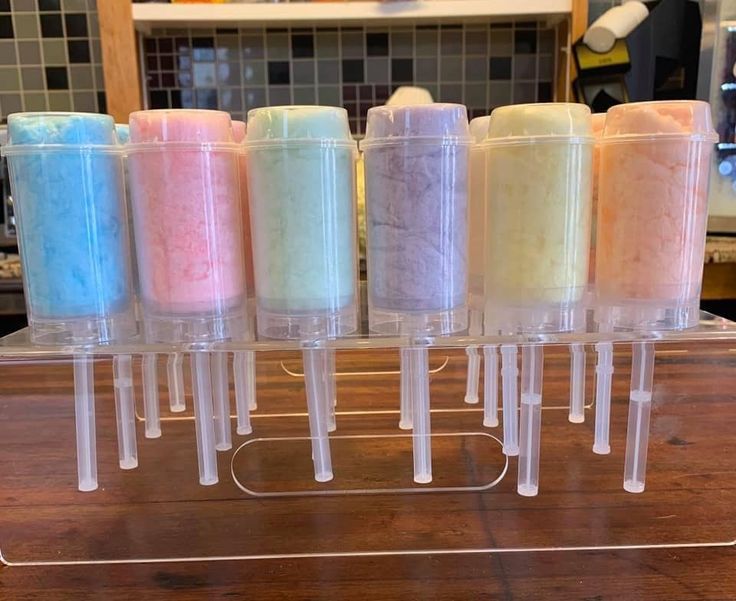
(221, 401)
(577, 383)
(490, 386)
(314, 363)
(604, 375)
(654, 165)
(175, 375)
(640, 407)
(510, 394)
(66, 173)
(330, 389)
(421, 437)
(244, 363)
(151, 410)
(122, 369)
(203, 418)
(471, 386)
(84, 411)
(405, 416)
(532, 363)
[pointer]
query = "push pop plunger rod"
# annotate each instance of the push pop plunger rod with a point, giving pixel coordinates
(68, 182)
(300, 164)
(190, 253)
(416, 170)
(537, 243)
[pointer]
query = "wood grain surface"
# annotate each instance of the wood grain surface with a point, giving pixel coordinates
(442, 545)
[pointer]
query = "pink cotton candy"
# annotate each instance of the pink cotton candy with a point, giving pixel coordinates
(186, 205)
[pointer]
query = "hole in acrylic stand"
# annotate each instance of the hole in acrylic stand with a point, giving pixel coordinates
(368, 464)
(295, 373)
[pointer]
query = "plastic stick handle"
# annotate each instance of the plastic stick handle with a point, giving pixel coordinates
(244, 368)
(405, 420)
(490, 386)
(577, 383)
(84, 413)
(330, 389)
(510, 394)
(221, 402)
(532, 363)
(175, 375)
(314, 365)
(122, 373)
(471, 387)
(203, 418)
(640, 407)
(421, 436)
(151, 410)
(603, 376)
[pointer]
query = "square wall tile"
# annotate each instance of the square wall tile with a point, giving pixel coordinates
(377, 70)
(35, 101)
(352, 44)
(328, 71)
(305, 95)
(29, 52)
(329, 95)
(254, 72)
(328, 45)
(9, 79)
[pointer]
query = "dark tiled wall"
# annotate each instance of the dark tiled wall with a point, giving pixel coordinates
(480, 65)
(50, 56)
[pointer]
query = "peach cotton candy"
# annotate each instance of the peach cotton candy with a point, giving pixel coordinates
(187, 215)
(653, 191)
(239, 137)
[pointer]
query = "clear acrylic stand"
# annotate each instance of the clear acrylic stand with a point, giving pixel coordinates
(267, 504)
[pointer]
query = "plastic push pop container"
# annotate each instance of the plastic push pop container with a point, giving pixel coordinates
(301, 184)
(68, 182)
(68, 185)
(538, 243)
(185, 192)
(416, 170)
(538, 217)
(652, 213)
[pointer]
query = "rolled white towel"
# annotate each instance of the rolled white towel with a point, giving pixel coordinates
(409, 95)
(614, 24)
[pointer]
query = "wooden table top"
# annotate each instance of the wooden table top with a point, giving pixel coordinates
(690, 499)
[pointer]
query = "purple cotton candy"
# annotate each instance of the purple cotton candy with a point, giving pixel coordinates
(416, 199)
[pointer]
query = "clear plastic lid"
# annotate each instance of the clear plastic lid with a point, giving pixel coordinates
(645, 119)
(57, 128)
(180, 125)
(479, 128)
(298, 124)
(446, 122)
(527, 122)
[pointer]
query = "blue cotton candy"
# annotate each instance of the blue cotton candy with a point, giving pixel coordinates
(71, 215)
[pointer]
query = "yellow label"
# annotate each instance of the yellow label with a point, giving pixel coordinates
(587, 59)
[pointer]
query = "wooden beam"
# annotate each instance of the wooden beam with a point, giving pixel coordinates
(568, 32)
(119, 58)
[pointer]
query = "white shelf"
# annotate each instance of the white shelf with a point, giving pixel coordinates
(152, 15)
